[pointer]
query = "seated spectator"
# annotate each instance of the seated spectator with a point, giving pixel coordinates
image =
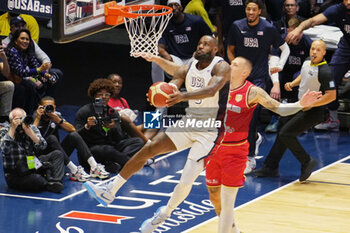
(101, 128)
(26, 167)
(196, 7)
(116, 101)
(18, 23)
(180, 38)
(32, 24)
(127, 115)
(26, 72)
(49, 121)
(290, 10)
(6, 87)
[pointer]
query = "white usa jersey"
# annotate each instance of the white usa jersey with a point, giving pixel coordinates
(198, 79)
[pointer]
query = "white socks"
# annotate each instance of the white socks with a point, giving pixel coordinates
(72, 167)
(226, 219)
(117, 183)
(92, 162)
(190, 173)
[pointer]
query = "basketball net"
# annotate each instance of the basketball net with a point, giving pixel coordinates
(146, 29)
(145, 24)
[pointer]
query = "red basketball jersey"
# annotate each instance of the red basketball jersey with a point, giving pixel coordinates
(238, 116)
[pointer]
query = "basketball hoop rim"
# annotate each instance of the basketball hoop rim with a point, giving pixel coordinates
(124, 10)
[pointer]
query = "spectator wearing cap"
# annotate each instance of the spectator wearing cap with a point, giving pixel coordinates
(180, 38)
(17, 23)
(30, 21)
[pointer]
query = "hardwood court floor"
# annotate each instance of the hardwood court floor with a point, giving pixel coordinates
(321, 205)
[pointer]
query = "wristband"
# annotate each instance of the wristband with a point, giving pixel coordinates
(61, 121)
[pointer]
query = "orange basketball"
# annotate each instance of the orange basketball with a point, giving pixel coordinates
(158, 93)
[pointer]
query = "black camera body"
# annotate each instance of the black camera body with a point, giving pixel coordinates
(104, 114)
(27, 120)
(49, 108)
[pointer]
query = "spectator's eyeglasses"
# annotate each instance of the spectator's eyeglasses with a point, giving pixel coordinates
(103, 95)
(290, 5)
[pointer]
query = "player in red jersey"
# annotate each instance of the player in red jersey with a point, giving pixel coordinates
(227, 161)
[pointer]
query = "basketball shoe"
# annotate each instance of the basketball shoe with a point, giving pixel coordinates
(151, 224)
(100, 192)
(328, 125)
(80, 175)
(99, 172)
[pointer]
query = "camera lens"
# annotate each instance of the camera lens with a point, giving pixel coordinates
(49, 108)
(27, 120)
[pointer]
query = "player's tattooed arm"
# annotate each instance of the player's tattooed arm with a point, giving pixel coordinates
(259, 96)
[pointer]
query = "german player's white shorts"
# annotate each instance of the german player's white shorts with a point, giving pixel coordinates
(200, 141)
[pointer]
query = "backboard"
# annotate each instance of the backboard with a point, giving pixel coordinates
(75, 19)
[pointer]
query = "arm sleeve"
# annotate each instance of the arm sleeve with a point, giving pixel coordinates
(42, 143)
(40, 54)
(16, 65)
(81, 119)
(278, 41)
(5, 142)
(288, 108)
(285, 51)
(325, 77)
(331, 13)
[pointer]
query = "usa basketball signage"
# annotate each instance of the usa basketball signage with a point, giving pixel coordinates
(36, 8)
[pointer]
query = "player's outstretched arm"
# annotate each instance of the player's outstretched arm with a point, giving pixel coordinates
(296, 34)
(258, 95)
(168, 66)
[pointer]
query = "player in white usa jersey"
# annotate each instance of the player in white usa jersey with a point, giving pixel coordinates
(202, 92)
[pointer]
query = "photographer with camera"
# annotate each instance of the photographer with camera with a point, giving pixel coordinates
(112, 141)
(49, 121)
(26, 166)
